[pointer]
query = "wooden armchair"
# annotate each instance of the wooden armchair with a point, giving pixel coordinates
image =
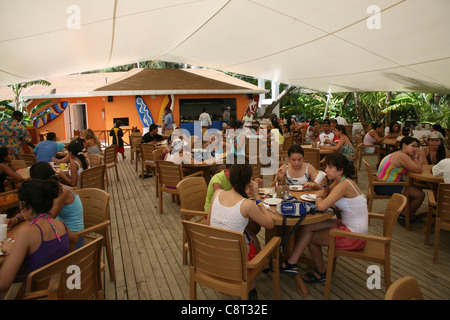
(96, 220)
(169, 174)
(218, 259)
(377, 249)
(371, 187)
(29, 158)
(40, 284)
(440, 212)
(405, 288)
(147, 158)
(193, 192)
(110, 161)
(95, 159)
(93, 177)
(362, 153)
(312, 156)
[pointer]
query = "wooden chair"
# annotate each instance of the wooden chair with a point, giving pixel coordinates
(256, 167)
(93, 177)
(362, 153)
(192, 202)
(95, 159)
(355, 163)
(405, 288)
(146, 156)
(110, 161)
(218, 259)
(9, 200)
(157, 155)
(303, 136)
(29, 158)
(377, 249)
(134, 148)
(371, 187)
(440, 209)
(169, 174)
(87, 258)
(19, 164)
(53, 292)
(312, 156)
(96, 220)
(76, 133)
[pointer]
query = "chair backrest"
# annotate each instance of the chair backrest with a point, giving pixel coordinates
(395, 206)
(405, 288)
(443, 201)
(109, 155)
(193, 192)
(29, 158)
(370, 175)
(288, 142)
(147, 152)
(9, 199)
(95, 159)
(252, 147)
(135, 142)
(219, 253)
(19, 164)
(169, 173)
(87, 259)
(93, 177)
(256, 167)
(158, 154)
(312, 156)
(95, 206)
(303, 136)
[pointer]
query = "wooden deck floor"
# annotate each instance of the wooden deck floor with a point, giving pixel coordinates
(147, 252)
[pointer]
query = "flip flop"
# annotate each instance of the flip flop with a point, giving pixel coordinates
(311, 277)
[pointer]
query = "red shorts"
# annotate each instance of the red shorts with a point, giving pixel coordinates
(120, 150)
(251, 251)
(346, 243)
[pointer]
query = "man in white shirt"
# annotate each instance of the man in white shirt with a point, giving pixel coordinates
(205, 120)
(341, 120)
(442, 168)
(326, 137)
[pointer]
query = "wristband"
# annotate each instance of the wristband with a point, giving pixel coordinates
(324, 186)
(278, 179)
(260, 204)
(414, 158)
(258, 201)
(18, 219)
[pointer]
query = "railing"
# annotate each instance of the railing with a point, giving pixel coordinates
(103, 136)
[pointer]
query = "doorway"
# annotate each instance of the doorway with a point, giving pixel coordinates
(76, 119)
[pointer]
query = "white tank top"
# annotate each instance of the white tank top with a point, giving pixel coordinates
(297, 181)
(229, 218)
(354, 213)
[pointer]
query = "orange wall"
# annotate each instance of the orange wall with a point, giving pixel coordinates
(100, 112)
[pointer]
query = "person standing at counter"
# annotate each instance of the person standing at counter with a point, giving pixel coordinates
(226, 114)
(205, 120)
(168, 122)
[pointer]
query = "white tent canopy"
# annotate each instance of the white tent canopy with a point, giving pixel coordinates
(324, 45)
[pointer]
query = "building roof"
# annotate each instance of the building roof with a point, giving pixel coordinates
(138, 82)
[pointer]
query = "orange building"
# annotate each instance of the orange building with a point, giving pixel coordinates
(96, 101)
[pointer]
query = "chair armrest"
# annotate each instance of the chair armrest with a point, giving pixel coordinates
(192, 213)
(376, 215)
(431, 199)
(260, 258)
(198, 173)
(92, 229)
(390, 183)
(15, 292)
(341, 233)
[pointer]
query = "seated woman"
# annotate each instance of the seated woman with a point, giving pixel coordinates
(93, 145)
(344, 144)
(395, 165)
(373, 137)
(42, 239)
(231, 210)
(296, 172)
(78, 163)
(7, 169)
(312, 132)
(394, 131)
(67, 207)
(435, 151)
(345, 194)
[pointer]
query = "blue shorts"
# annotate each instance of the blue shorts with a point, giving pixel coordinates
(388, 190)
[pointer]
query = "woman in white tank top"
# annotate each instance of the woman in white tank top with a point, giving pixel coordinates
(231, 210)
(345, 194)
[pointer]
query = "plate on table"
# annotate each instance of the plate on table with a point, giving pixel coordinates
(272, 201)
(308, 197)
(295, 188)
(264, 190)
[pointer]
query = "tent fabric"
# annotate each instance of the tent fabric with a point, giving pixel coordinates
(323, 45)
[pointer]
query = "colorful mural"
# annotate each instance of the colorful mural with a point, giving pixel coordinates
(54, 111)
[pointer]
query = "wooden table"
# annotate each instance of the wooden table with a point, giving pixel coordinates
(290, 222)
(425, 176)
(205, 166)
(24, 172)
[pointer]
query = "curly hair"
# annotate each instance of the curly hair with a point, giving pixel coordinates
(39, 194)
(240, 177)
(339, 161)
